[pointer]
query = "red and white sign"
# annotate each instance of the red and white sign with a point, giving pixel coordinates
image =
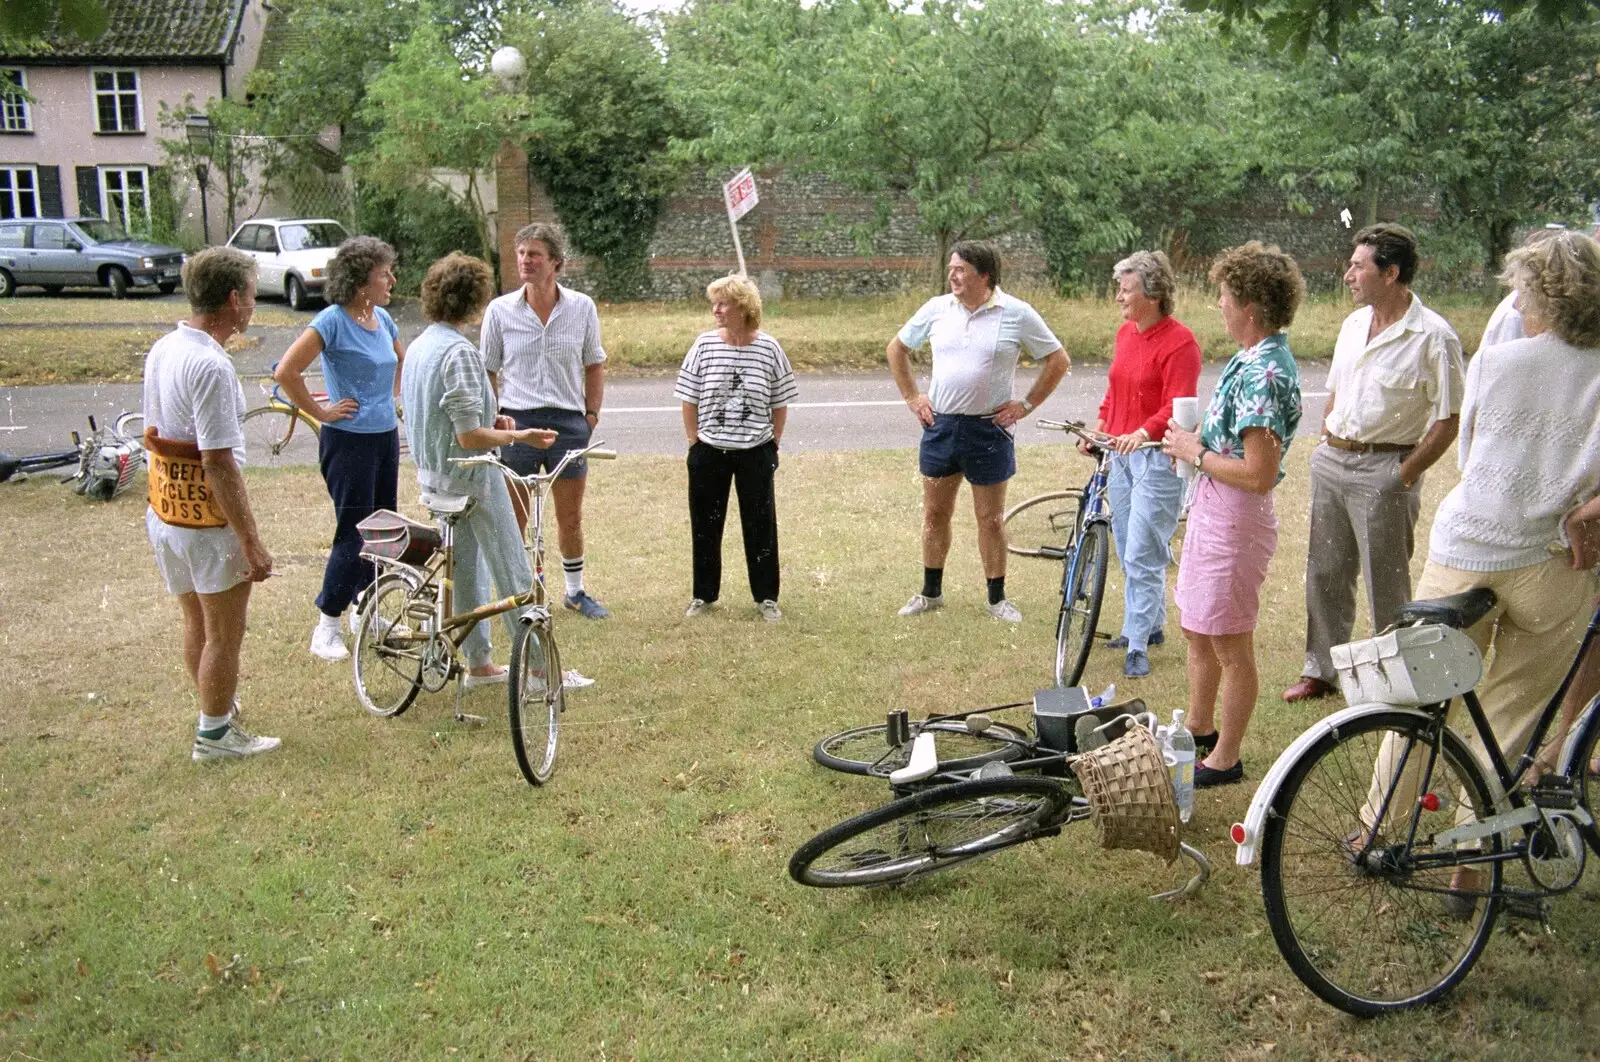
(740, 194)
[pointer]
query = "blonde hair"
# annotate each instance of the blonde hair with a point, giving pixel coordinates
(742, 292)
(1558, 284)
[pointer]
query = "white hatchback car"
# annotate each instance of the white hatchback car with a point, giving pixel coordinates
(291, 254)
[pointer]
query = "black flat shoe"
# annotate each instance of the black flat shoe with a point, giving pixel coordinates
(1204, 743)
(1208, 777)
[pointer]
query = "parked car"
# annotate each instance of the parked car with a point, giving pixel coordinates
(291, 254)
(56, 253)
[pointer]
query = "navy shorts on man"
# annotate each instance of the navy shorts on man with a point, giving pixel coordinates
(572, 433)
(974, 446)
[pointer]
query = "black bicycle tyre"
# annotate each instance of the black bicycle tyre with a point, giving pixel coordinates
(968, 751)
(1395, 916)
(375, 659)
(1585, 779)
(983, 816)
(1015, 524)
(269, 432)
(536, 701)
(1083, 591)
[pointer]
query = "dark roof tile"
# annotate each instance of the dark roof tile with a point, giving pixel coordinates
(172, 30)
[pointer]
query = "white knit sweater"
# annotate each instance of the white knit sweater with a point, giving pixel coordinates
(1529, 455)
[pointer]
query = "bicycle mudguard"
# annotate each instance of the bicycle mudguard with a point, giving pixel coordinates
(924, 761)
(1247, 834)
(8, 466)
(1589, 717)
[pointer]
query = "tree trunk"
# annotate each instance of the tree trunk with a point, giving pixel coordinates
(1496, 243)
(942, 240)
(1369, 192)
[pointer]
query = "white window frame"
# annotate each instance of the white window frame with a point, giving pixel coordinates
(120, 216)
(95, 92)
(15, 195)
(16, 116)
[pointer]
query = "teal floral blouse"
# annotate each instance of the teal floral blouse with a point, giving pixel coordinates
(1259, 388)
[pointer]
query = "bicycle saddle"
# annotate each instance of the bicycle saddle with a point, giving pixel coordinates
(1457, 610)
(441, 504)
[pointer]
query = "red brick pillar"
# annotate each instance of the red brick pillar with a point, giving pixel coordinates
(521, 200)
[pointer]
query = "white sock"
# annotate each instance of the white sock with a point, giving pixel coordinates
(328, 623)
(572, 568)
(213, 722)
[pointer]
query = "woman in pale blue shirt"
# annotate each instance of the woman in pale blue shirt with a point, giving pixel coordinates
(359, 445)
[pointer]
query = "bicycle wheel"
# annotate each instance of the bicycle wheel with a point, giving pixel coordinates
(929, 831)
(866, 750)
(1586, 767)
(277, 435)
(130, 428)
(537, 700)
(389, 645)
(1042, 525)
(1083, 588)
(1385, 934)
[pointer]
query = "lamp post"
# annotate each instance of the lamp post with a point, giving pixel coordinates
(508, 68)
(202, 139)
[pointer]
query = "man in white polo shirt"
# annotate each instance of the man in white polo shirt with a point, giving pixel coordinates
(541, 345)
(977, 333)
(1394, 400)
(199, 519)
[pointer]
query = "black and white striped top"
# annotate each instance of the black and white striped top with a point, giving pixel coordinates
(736, 388)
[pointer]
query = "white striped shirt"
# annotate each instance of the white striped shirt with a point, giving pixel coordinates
(736, 388)
(541, 363)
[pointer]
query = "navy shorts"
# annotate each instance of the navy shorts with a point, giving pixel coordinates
(572, 433)
(972, 446)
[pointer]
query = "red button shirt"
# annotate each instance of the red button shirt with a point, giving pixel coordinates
(1149, 370)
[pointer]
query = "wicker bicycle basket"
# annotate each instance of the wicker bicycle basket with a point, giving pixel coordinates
(1130, 794)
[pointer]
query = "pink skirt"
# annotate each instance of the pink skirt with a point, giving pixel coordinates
(1230, 540)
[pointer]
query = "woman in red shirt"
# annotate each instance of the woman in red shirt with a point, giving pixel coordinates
(1156, 360)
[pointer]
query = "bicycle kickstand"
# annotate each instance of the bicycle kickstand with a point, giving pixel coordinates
(465, 718)
(1192, 886)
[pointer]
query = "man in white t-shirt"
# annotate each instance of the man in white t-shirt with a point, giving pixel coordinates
(199, 519)
(977, 333)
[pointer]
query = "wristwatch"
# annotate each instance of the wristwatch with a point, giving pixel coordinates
(1027, 407)
(1200, 457)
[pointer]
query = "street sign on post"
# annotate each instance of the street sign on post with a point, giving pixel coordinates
(740, 196)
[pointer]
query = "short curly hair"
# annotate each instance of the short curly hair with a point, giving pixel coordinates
(457, 288)
(352, 264)
(1263, 277)
(742, 292)
(1557, 277)
(1154, 271)
(210, 276)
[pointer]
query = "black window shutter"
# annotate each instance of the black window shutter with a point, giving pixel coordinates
(50, 192)
(89, 192)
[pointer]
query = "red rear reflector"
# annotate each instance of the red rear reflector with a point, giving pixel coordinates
(1236, 832)
(1430, 802)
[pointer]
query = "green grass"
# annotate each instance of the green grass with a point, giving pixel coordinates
(394, 890)
(134, 310)
(81, 355)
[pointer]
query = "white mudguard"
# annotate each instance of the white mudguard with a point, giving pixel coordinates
(924, 761)
(1586, 719)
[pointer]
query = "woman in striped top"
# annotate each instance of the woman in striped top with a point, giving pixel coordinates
(736, 385)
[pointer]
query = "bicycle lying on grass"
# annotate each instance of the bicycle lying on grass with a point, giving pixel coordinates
(408, 635)
(1383, 840)
(1073, 527)
(107, 460)
(961, 796)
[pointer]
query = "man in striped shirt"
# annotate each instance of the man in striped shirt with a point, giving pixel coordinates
(541, 345)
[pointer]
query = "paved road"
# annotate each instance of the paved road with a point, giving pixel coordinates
(835, 412)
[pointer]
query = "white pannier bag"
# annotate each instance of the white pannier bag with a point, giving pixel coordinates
(1409, 666)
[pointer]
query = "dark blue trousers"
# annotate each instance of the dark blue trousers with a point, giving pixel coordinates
(362, 471)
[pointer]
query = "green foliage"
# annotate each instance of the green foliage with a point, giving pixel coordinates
(422, 222)
(21, 19)
(599, 126)
(239, 164)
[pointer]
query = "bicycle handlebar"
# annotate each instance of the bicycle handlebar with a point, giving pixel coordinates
(1098, 439)
(493, 458)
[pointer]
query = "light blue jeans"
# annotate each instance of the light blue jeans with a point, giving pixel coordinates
(489, 549)
(1145, 495)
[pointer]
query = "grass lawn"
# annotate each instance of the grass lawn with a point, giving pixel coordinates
(392, 889)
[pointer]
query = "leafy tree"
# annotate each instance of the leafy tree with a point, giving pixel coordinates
(239, 164)
(1298, 24)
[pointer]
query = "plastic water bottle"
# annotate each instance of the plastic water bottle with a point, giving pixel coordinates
(1104, 697)
(1178, 751)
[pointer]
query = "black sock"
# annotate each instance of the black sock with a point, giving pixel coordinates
(997, 590)
(932, 582)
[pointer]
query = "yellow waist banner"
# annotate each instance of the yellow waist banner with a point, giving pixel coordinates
(179, 493)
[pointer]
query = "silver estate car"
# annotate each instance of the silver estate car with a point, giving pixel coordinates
(57, 253)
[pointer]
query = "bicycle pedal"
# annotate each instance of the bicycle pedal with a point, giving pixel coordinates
(468, 719)
(1529, 909)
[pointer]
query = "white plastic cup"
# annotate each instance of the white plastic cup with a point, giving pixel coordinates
(1186, 411)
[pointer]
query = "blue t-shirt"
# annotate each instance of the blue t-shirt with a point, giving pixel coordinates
(359, 364)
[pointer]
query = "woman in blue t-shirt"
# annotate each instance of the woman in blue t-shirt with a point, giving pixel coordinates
(359, 446)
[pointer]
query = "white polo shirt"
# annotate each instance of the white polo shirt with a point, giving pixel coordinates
(1392, 389)
(975, 351)
(540, 363)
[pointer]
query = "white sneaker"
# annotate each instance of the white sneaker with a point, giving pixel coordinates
(572, 679)
(1004, 610)
(232, 745)
(328, 644)
(919, 604)
(469, 681)
(696, 607)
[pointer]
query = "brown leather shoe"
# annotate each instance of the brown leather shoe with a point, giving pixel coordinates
(1309, 689)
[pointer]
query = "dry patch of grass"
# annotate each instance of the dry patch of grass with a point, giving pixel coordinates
(395, 889)
(86, 308)
(74, 355)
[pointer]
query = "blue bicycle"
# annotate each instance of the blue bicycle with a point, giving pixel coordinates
(1074, 527)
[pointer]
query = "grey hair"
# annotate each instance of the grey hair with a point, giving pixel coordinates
(210, 276)
(1155, 276)
(352, 264)
(1557, 277)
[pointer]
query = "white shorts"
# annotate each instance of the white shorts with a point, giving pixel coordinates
(196, 560)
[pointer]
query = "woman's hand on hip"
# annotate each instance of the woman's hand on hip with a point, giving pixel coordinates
(343, 409)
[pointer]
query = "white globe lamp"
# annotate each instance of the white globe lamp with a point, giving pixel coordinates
(507, 64)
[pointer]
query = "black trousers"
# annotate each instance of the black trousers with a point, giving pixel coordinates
(362, 472)
(711, 472)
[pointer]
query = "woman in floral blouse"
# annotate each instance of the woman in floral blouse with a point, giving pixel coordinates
(1233, 530)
